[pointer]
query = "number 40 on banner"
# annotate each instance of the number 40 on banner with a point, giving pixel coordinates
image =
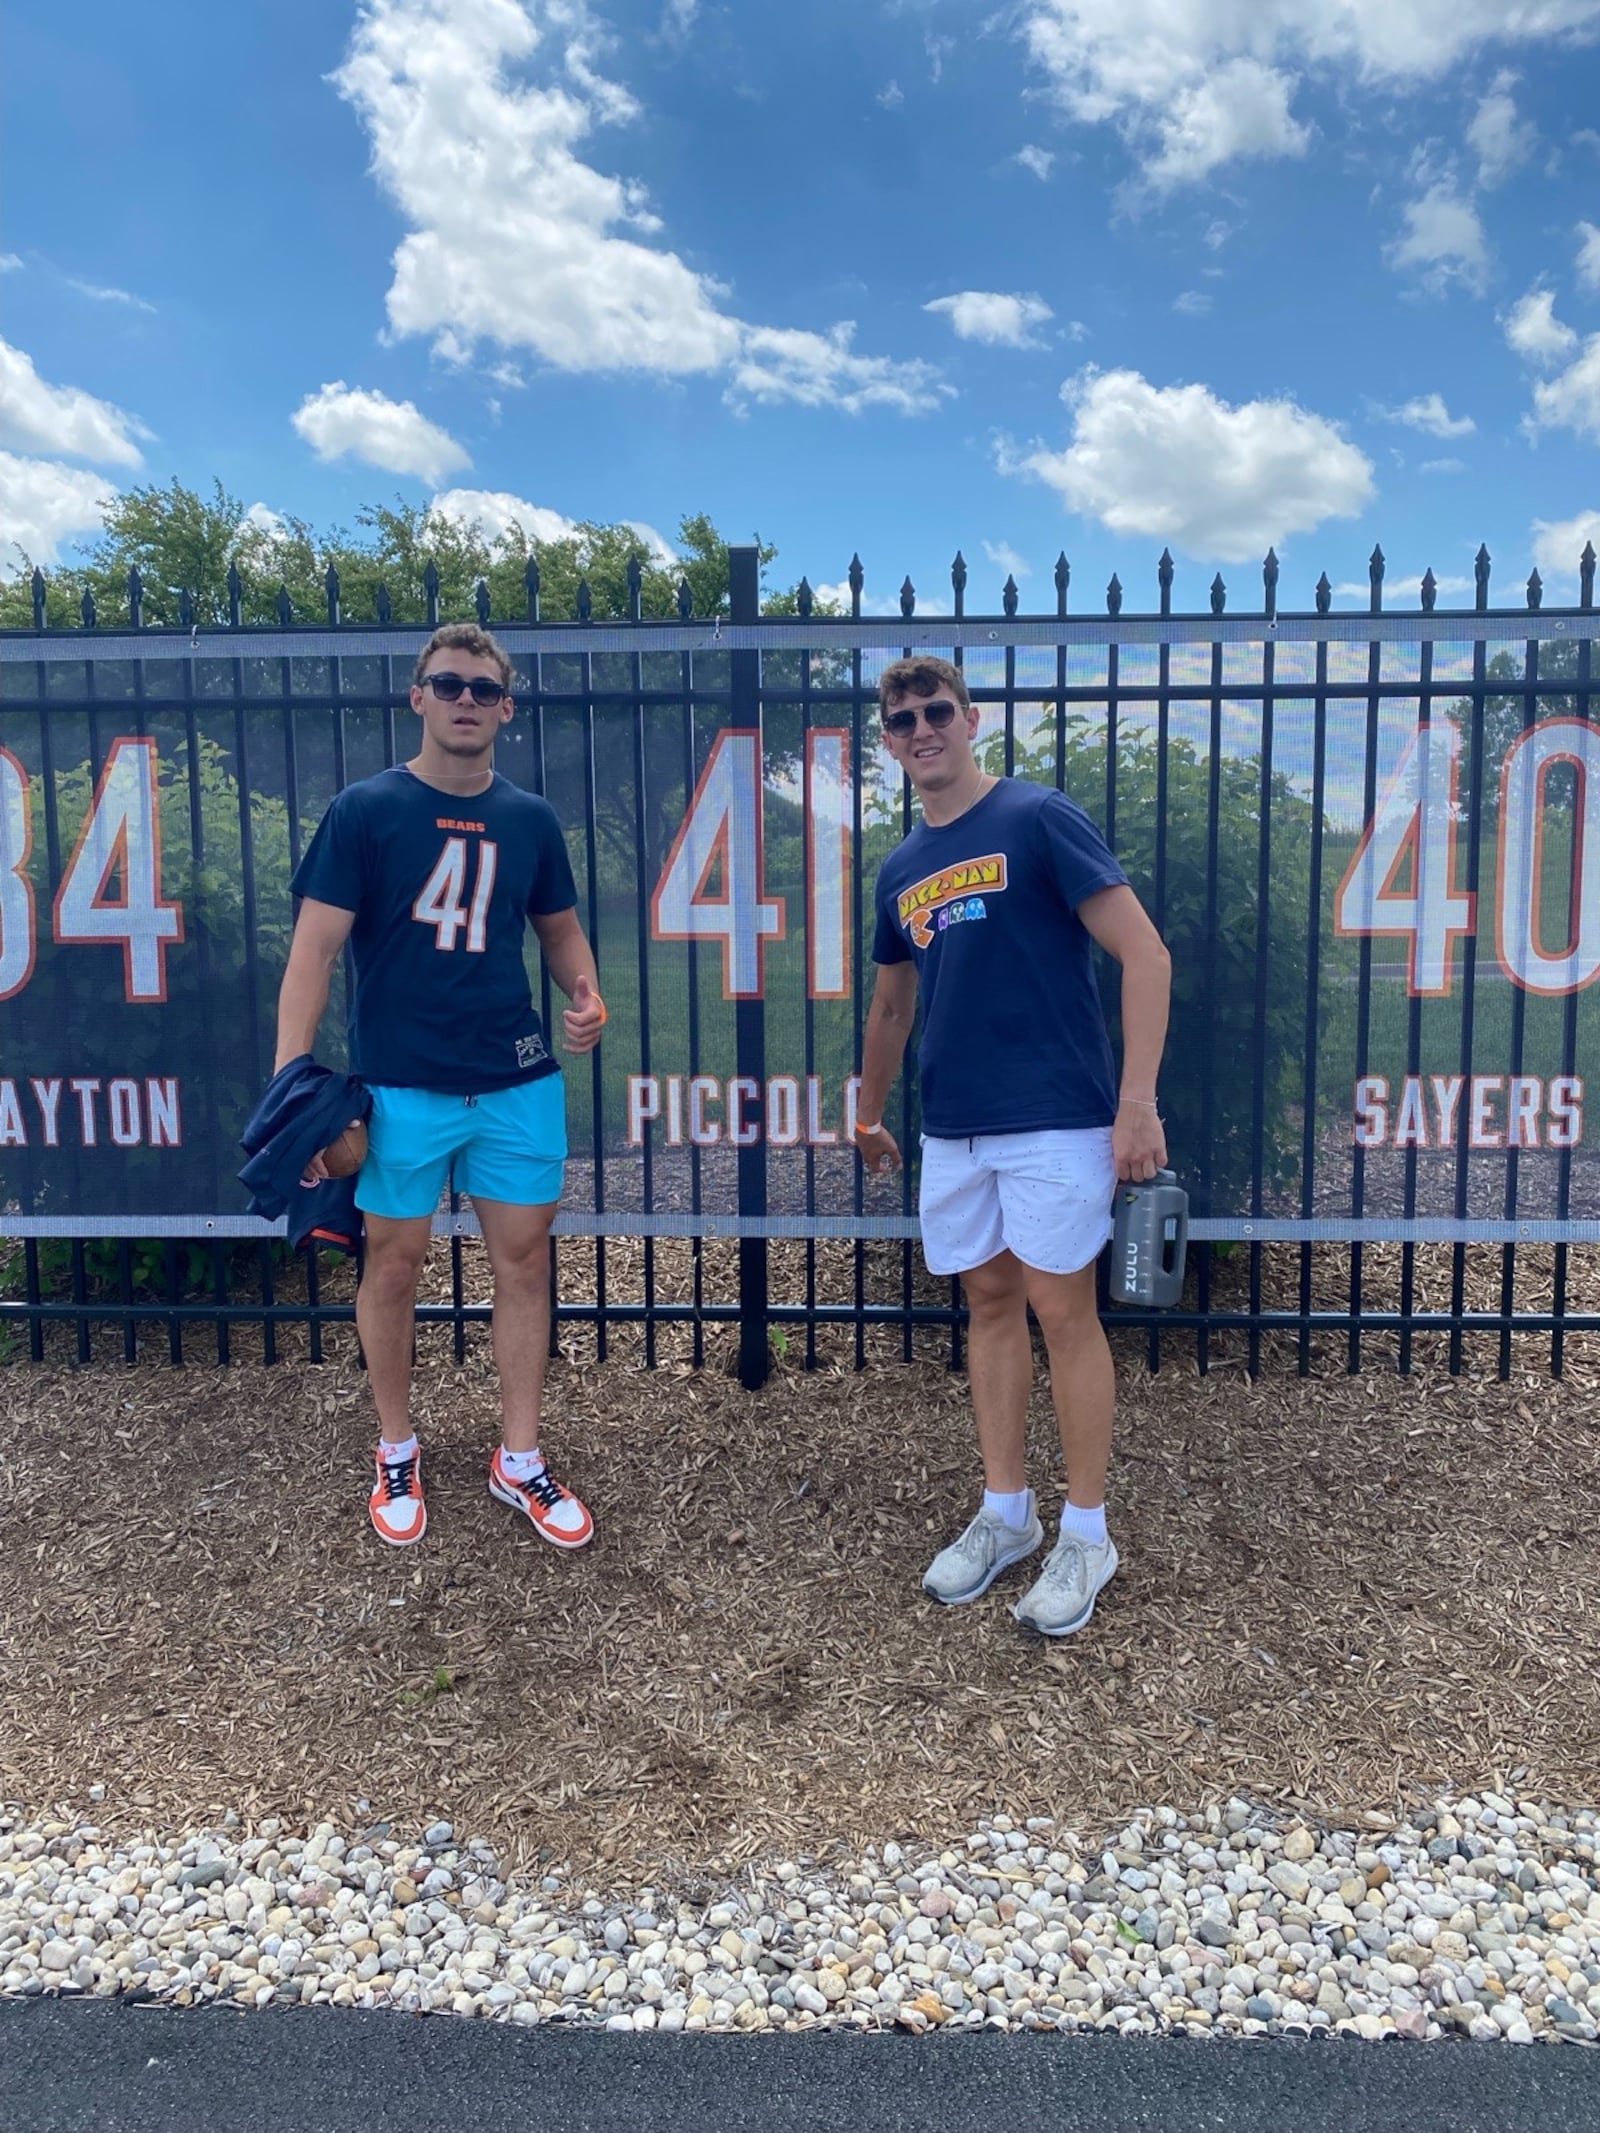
(713, 888)
(1412, 840)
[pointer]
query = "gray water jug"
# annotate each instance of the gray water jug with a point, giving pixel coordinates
(1149, 1237)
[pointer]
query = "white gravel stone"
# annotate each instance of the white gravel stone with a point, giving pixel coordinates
(1483, 1916)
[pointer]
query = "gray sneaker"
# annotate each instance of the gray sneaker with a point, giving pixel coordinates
(970, 1565)
(1061, 1598)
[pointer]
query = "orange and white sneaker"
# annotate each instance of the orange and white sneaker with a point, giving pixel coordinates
(556, 1514)
(399, 1514)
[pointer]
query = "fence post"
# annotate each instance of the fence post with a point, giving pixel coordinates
(744, 600)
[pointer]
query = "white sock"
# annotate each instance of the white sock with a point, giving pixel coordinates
(1086, 1526)
(1013, 1507)
(522, 1466)
(391, 1454)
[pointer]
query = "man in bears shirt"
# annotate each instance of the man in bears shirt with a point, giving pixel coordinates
(992, 905)
(433, 870)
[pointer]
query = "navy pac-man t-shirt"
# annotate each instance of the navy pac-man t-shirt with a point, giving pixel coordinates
(442, 889)
(1013, 1036)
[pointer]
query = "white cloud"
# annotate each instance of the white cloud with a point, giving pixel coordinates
(1571, 399)
(508, 202)
(1193, 303)
(42, 505)
(1499, 136)
(877, 603)
(1401, 592)
(37, 417)
(1558, 544)
(891, 96)
(1004, 557)
(1239, 109)
(99, 295)
(1443, 466)
(493, 512)
(262, 519)
(1041, 161)
(1428, 412)
(10, 263)
(1589, 255)
(1444, 239)
(989, 316)
(392, 434)
(1176, 464)
(1194, 83)
(1535, 332)
(779, 363)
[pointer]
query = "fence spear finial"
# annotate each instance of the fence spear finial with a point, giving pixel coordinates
(135, 598)
(585, 601)
(86, 609)
(1009, 595)
(1219, 594)
(185, 608)
(480, 600)
(908, 598)
(1164, 576)
(330, 586)
(1063, 580)
(635, 588)
(36, 586)
(1535, 592)
(1430, 591)
(1480, 576)
(235, 595)
(804, 598)
(685, 600)
(856, 577)
(1114, 595)
(381, 602)
(285, 606)
(1324, 594)
(531, 582)
(1375, 568)
(958, 581)
(430, 587)
(1585, 576)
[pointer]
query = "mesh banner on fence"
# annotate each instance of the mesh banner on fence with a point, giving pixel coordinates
(1376, 859)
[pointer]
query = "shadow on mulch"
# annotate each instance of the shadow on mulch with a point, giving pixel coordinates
(1336, 1593)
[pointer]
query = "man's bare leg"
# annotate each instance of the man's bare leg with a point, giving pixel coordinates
(518, 1239)
(1082, 1378)
(386, 1303)
(1000, 1368)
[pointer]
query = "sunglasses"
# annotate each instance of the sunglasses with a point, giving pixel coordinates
(450, 687)
(902, 724)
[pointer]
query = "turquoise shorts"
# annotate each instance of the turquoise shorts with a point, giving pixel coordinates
(507, 1144)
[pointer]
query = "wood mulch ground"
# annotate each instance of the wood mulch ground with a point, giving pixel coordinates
(1337, 1592)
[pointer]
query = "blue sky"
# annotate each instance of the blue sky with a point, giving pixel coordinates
(889, 275)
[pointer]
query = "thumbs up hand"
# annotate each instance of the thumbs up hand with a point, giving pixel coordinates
(583, 1021)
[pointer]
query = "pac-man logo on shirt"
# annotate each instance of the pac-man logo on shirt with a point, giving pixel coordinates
(918, 904)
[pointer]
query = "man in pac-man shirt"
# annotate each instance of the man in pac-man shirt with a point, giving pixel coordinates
(1025, 1134)
(434, 870)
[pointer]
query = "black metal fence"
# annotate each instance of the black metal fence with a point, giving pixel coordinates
(1387, 1152)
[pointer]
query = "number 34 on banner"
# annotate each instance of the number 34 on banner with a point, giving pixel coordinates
(121, 838)
(720, 843)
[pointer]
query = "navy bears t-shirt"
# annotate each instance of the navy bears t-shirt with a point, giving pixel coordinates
(442, 889)
(1013, 1036)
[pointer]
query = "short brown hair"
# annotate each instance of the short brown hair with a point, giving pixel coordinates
(921, 676)
(463, 637)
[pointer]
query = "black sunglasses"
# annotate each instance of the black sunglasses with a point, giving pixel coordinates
(902, 724)
(448, 688)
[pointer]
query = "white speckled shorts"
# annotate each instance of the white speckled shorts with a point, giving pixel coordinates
(1044, 1196)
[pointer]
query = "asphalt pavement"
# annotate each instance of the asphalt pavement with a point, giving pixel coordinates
(103, 2066)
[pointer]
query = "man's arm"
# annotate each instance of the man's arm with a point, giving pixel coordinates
(570, 962)
(1117, 920)
(889, 1020)
(320, 933)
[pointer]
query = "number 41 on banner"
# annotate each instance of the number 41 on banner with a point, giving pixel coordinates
(712, 887)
